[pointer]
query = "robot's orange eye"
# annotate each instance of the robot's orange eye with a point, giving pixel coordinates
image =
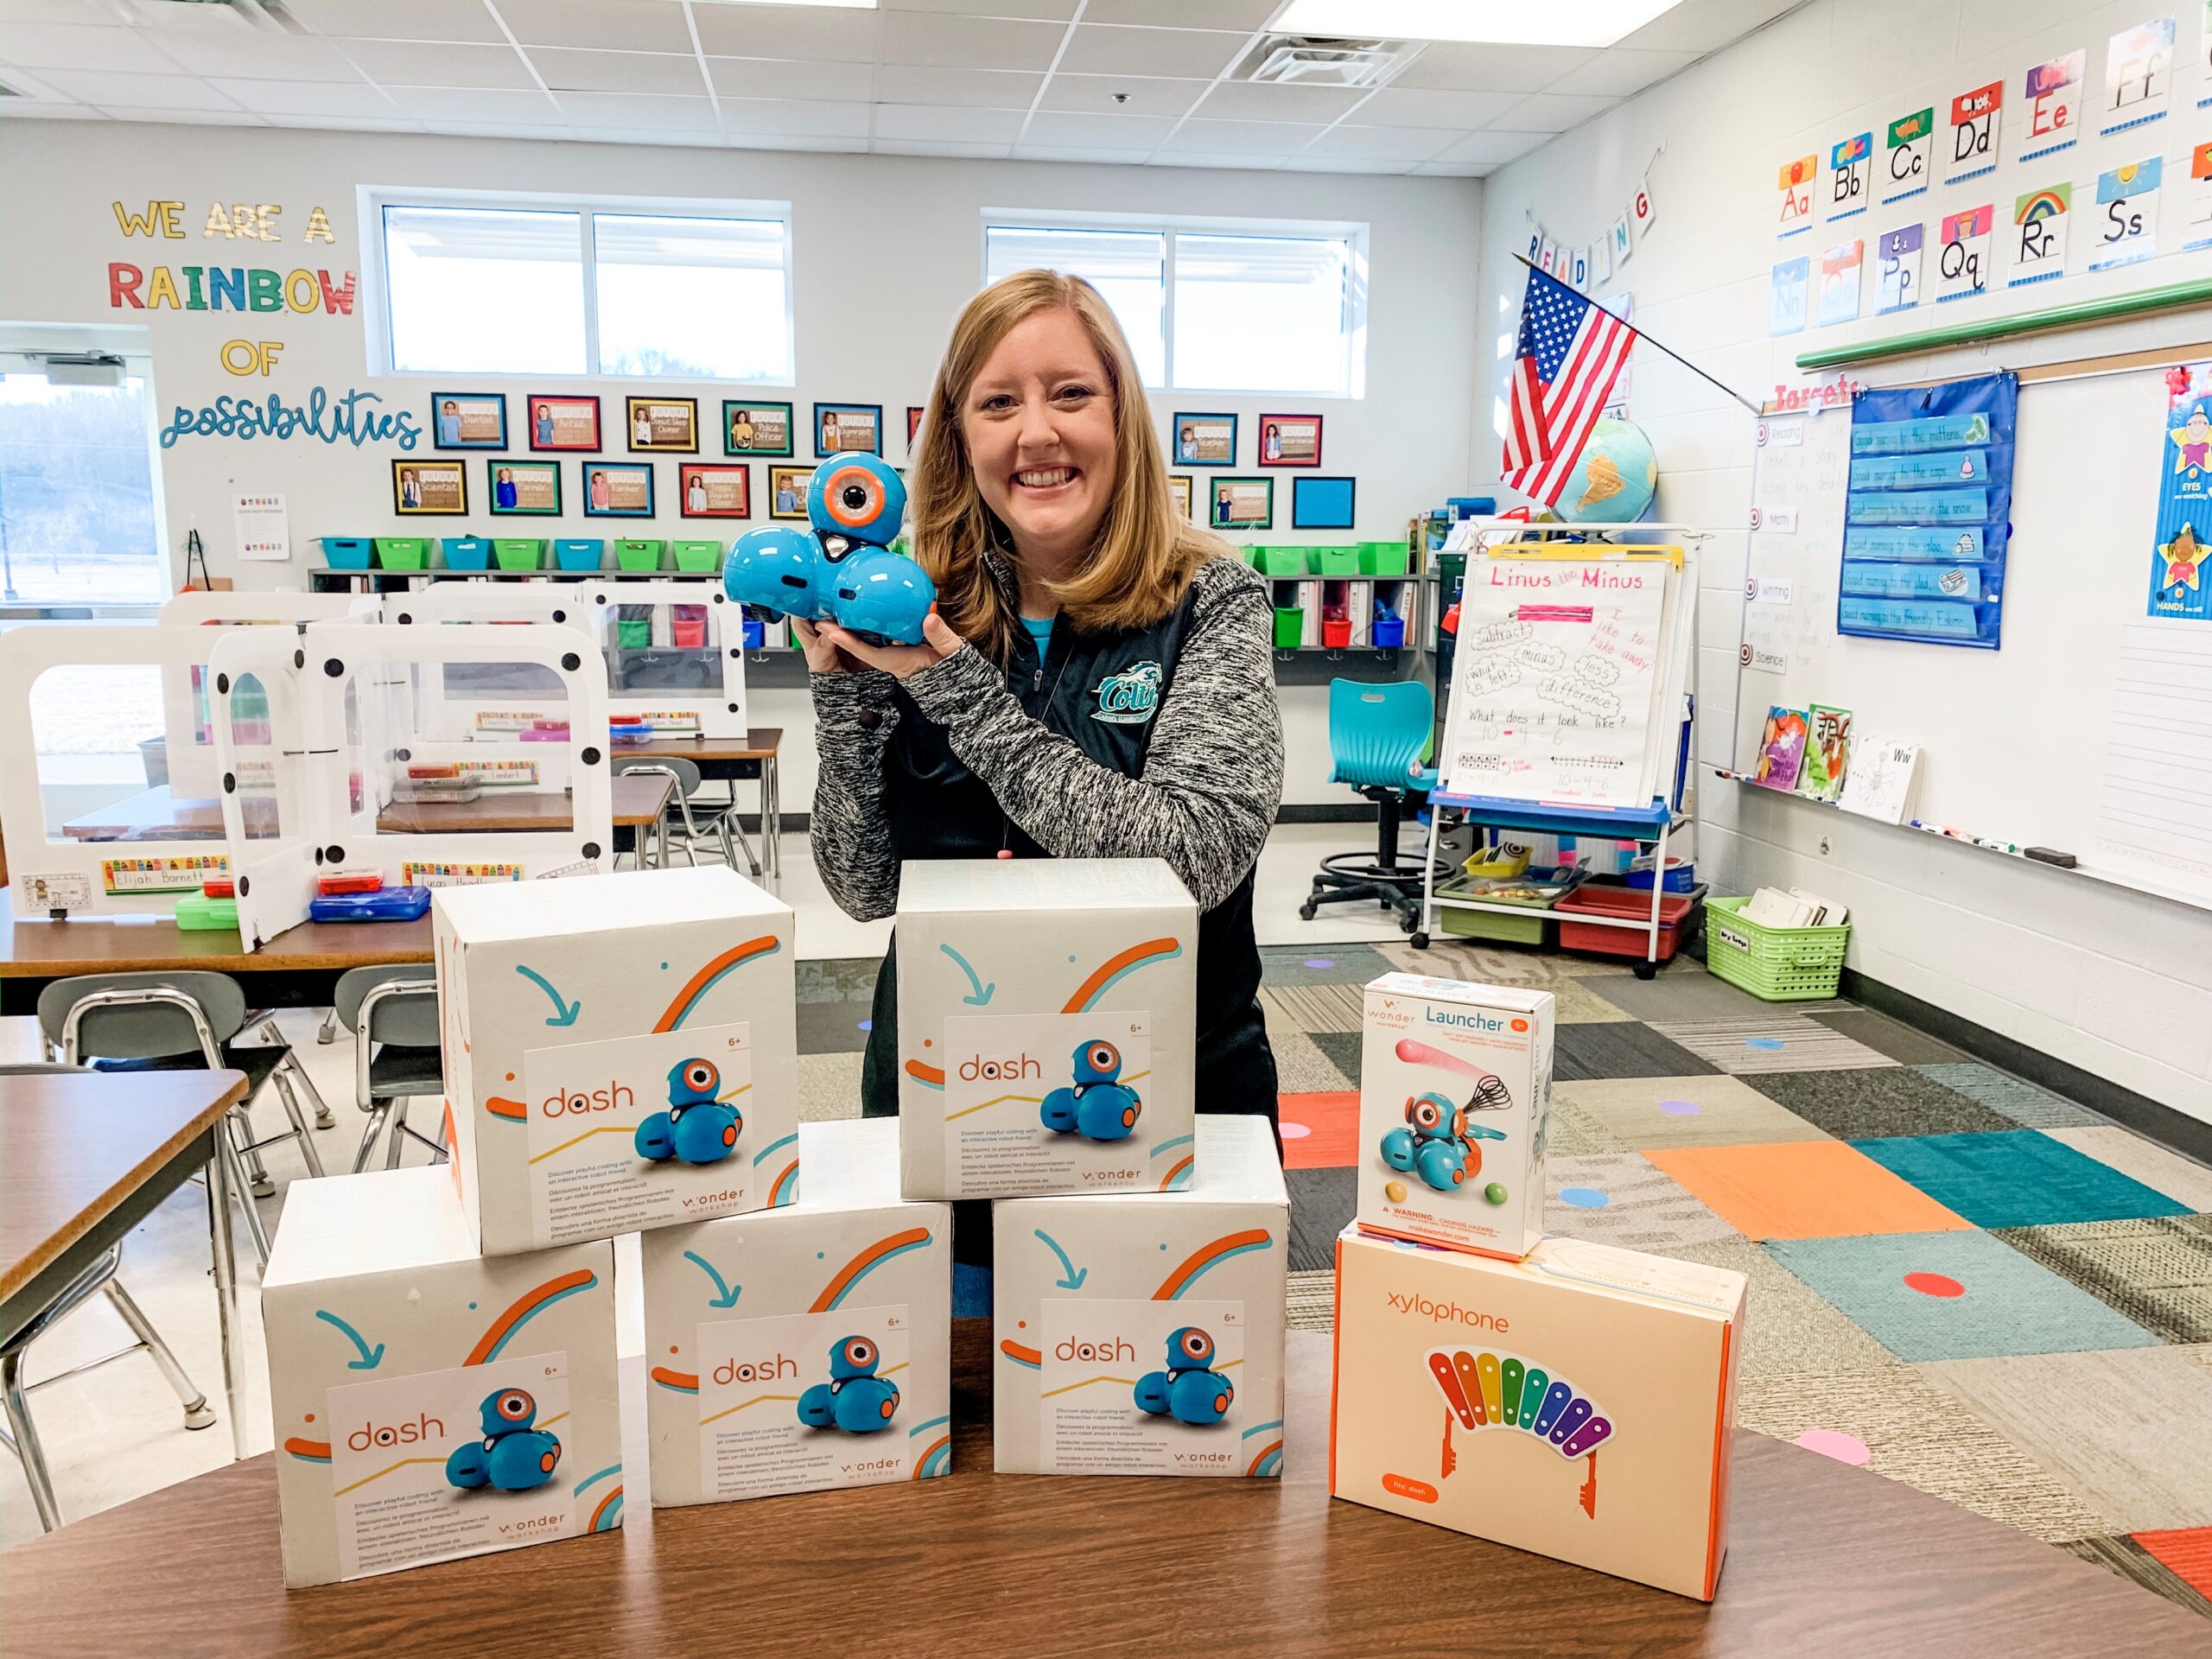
(860, 1351)
(701, 1074)
(1104, 1057)
(515, 1405)
(853, 496)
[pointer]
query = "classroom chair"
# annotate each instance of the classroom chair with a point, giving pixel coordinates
(393, 1015)
(682, 824)
(150, 1022)
(1377, 735)
(21, 1436)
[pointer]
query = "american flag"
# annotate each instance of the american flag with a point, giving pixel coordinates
(1570, 352)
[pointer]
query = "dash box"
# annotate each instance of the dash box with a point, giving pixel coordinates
(1455, 1086)
(1141, 1334)
(806, 1347)
(1046, 1012)
(1578, 1403)
(431, 1403)
(620, 1053)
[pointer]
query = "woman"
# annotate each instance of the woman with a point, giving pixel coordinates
(1040, 506)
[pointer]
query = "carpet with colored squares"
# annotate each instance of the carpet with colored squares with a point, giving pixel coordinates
(1945, 1261)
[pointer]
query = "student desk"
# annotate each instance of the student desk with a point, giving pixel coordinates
(729, 759)
(1828, 1561)
(157, 815)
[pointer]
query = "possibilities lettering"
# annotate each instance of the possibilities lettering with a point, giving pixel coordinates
(331, 419)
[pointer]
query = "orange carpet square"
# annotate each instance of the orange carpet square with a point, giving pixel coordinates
(1804, 1189)
(2186, 1551)
(1320, 1131)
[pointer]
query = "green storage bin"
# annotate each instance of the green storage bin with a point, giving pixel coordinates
(404, 552)
(197, 913)
(519, 552)
(1335, 560)
(639, 555)
(1290, 629)
(634, 636)
(698, 556)
(1526, 928)
(1776, 964)
(1282, 562)
(1384, 558)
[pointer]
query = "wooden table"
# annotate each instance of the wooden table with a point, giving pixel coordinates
(86, 1157)
(727, 759)
(154, 815)
(638, 802)
(1826, 1560)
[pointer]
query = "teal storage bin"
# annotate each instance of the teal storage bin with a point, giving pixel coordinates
(404, 552)
(698, 558)
(1335, 560)
(468, 552)
(519, 552)
(348, 552)
(580, 552)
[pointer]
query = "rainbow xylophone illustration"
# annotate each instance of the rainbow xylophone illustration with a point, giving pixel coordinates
(1488, 1391)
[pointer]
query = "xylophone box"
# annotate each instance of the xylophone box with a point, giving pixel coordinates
(1578, 1403)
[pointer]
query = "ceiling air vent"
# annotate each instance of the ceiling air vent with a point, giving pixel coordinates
(1314, 61)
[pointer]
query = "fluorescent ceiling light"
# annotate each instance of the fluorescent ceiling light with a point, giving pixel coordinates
(1488, 22)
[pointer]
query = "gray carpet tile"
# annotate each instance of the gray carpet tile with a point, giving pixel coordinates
(2156, 1272)
(1302, 1067)
(1621, 1048)
(1343, 1049)
(1312, 1299)
(1771, 1042)
(1788, 1325)
(1571, 1132)
(1321, 964)
(1508, 965)
(1321, 1205)
(2183, 1179)
(1312, 1007)
(1680, 996)
(2024, 1103)
(1620, 1199)
(832, 1028)
(829, 1086)
(836, 979)
(1878, 1101)
(2122, 1554)
(1901, 1042)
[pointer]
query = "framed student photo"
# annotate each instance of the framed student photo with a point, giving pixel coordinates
(429, 488)
(1179, 492)
(756, 429)
(562, 423)
(524, 488)
(618, 489)
(914, 413)
(1239, 504)
(787, 491)
(468, 420)
(1290, 440)
(712, 491)
(1203, 441)
(848, 429)
(665, 425)
(1322, 503)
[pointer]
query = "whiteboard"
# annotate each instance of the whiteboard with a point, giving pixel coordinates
(2017, 743)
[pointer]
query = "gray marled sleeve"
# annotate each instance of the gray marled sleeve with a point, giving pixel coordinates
(849, 830)
(1213, 775)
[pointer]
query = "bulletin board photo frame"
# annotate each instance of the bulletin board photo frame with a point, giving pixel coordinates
(1323, 503)
(787, 491)
(618, 489)
(756, 429)
(1239, 504)
(1179, 492)
(914, 413)
(1203, 440)
(1290, 440)
(563, 421)
(429, 489)
(663, 426)
(525, 489)
(714, 490)
(468, 420)
(848, 430)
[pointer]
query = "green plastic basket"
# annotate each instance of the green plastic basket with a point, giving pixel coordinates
(1290, 629)
(1383, 558)
(1335, 560)
(1281, 561)
(404, 552)
(518, 552)
(1777, 964)
(642, 554)
(633, 636)
(698, 556)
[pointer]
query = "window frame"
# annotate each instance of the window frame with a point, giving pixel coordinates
(1169, 227)
(376, 296)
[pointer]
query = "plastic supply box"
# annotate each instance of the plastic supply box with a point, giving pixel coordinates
(518, 552)
(639, 553)
(1778, 964)
(1599, 898)
(466, 552)
(580, 552)
(404, 552)
(348, 552)
(698, 558)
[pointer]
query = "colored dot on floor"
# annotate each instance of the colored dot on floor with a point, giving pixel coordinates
(1583, 1197)
(1768, 1043)
(1319, 961)
(1830, 1443)
(1294, 1131)
(471, 1307)
(310, 1417)
(1681, 1108)
(664, 965)
(1934, 1284)
(818, 1255)
(867, 1025)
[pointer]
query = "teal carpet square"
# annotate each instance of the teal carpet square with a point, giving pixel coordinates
(2016, 1177)
(1927, 1296)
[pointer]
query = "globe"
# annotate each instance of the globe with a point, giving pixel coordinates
(1613, 477)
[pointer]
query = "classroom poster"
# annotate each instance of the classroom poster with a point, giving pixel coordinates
(2039, 235)
(1788, 292)
(2179, 586)
(1908, 155)
(1851, 177)
(260, 525)
(1898, 279)
(1841, 269)
(2197, 221)
(1963, 263)
(1794, 181)
(2053, 99)
(2139, 75)
(1974, 115)
(2126, 228)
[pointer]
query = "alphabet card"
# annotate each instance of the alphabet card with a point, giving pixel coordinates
(1962, 264)
(1898, 274)
(2139, 75)
(2196, 228)
(2039, 221)
(2126, 226)
(1841, 269)
(1974, 115)
(1909, 155)
(1788, 291)
(1794, 181)
(2052, 95)
(1851, 177)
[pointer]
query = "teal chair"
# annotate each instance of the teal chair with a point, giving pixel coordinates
(1377, 735)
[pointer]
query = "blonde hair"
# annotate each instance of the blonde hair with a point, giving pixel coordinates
(1144, 554)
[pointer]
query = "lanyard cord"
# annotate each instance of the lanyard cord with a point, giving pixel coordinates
(1036, 679)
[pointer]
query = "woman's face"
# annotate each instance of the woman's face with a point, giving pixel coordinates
(1038, 423)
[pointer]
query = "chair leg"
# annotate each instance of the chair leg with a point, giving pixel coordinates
(286, 1077)
(323, 1120)
(27, 1446)
(328, 1032)
(229, 1145)
(197, 1414)
(254, 1177)
(379, 1112)
(398, 1134)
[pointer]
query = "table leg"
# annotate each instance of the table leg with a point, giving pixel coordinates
(227, 1281)
(772, 811)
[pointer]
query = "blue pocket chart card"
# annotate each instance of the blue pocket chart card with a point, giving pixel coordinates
(1928, 514)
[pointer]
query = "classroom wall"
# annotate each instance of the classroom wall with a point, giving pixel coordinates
(886, 250)
(2106, 979)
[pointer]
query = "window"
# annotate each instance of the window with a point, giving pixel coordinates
(1215, 307)
(527, 285)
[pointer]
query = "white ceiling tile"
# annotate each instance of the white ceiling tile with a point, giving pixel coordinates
(1240, 138)
(156, 115)
(345, 123)
(1310, 162)
(1085, 154)
(464, 104)
(968, 43)
(794, 119)
(412, 63)
(663, 136)
(1250, 101)
(1457, 68)
(1552, 112)
(1407, 107)
(1189, 53)
(1621, 71)
(1059, 129)
(635, 27)
(35, 111)
(788, 31)
(398, 20)
(1245, 15)
(985, 89)
(89, 12)
(1094, 94)
(1382, 143)
(1492, 148)
(1454, 170)
(635, 110)
(62, 46)
(139, 91)
(1218, 163)
(1049, 12)
(251, 55)
(822, 144)
(566, 70)
(335, 99)
(935, 147)
(945, 125)
(1708, 25)
(548, 128)
(792, 78)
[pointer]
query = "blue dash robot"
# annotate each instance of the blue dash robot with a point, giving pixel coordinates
(1437, 1143)
(697, 1127)
(1190, 1389)
(512, 1456)
(842, 570)
(854, 1398)
(1098, 1106)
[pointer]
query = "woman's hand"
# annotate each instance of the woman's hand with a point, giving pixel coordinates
(822, 654)
(938, 642)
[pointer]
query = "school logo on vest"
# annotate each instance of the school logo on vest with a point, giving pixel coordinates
(1128, 698)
